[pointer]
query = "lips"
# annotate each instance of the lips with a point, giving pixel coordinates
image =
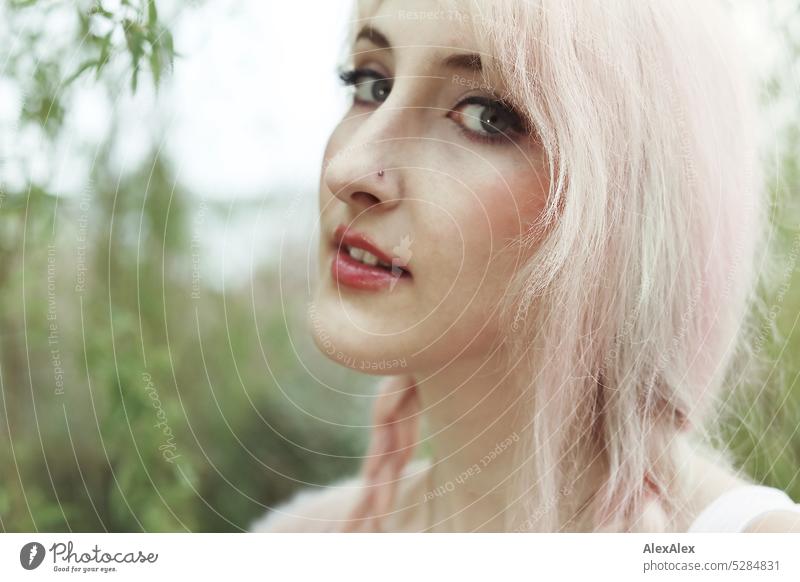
(361, 264)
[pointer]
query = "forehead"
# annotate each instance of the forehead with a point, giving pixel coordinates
(445, 25)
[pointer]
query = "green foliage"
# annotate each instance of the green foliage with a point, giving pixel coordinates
(133, 397)
(140, 346)
(132, 37)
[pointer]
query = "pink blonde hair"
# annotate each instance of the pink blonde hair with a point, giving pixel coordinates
(626, 319)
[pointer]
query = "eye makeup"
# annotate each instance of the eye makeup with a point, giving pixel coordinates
(481, 119)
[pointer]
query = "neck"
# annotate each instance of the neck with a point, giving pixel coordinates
(470, 410)
(477, 421)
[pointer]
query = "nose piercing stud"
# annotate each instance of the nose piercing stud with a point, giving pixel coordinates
(380, 173)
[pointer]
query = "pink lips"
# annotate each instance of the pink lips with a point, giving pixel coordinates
(352, 273)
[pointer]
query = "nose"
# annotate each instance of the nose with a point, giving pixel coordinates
(365, 173)
(364, 186)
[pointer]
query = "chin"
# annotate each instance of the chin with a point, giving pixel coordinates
(356, 336)
(392, 331)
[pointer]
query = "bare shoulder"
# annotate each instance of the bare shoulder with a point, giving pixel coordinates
(316, 509)
(710, 476)
(776, 522)
(325, 508)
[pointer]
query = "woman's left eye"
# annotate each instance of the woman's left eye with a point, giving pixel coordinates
(487, 119)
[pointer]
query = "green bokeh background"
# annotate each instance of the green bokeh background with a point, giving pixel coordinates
(249, 415)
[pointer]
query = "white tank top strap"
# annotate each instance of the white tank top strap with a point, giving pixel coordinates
(735, 509)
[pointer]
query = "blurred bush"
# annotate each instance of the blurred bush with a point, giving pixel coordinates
(137, 395)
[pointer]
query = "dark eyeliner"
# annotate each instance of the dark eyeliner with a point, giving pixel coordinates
(519, 124)
(351, 77)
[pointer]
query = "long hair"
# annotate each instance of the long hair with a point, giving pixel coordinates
(626, 320)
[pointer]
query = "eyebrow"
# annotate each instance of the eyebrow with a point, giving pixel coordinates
(375, 36)
(469, 61)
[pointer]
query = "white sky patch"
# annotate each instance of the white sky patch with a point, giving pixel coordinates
(257, 95)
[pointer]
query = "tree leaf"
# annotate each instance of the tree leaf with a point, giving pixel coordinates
(155, 65)
(152, 14)
(83, 68)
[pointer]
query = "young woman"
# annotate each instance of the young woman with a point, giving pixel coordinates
(543, 219)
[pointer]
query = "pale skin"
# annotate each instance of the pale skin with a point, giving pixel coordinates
(459, 198)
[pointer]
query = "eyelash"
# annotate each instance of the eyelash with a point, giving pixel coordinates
(501, 136)
(351, 78)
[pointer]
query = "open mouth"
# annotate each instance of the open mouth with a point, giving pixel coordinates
(359, 263)
(365, 257)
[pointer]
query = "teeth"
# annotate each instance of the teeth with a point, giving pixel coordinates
(366, 257)
(369, 259)
(357, 254)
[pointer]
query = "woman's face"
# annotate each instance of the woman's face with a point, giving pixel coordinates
(431, 176)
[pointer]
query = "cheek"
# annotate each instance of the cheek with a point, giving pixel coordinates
(498, 212)
(513, 199)
(473, 261)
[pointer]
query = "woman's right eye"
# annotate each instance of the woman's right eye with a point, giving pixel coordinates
(370, 86)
